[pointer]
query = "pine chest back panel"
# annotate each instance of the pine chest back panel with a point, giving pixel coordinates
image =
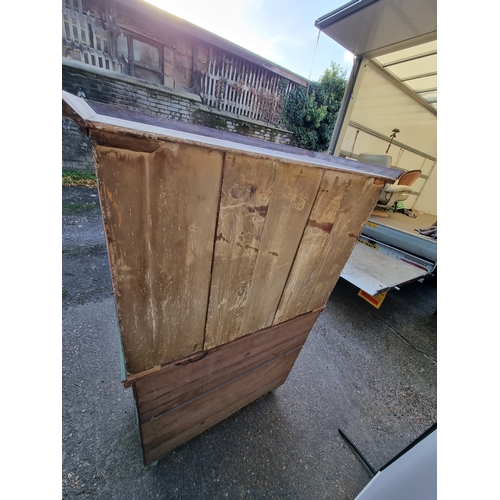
(211, 239)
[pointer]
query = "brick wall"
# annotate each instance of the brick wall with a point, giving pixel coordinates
(127, 92)
(76, 148)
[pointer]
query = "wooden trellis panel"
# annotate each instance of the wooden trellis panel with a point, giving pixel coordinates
(240, 87)
(83, 34)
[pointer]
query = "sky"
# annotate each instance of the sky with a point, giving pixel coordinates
(281, 31)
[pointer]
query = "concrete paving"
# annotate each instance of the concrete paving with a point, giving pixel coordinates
(369, 372)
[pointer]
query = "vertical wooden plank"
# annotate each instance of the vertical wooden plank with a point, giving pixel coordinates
(329, 202)
(229, 87)
(261, 81)
(125, 216)
(112, 43)
(204, 82)
(214, 79)
(246, 191)
(212, 75)
(222, 68)
(255, 99)
(230, 91)
(248, 85)
(93, 42)
(74, 29)
(240, 82)
(210, 72)
(356, 208)
(184, 190)
(263, 89)
(65, 28)
(97, 33)
(83, 32)
(234, 81)
(226, 74)
(253, 90)
(294, 192)
(207, 81)
(105, 43)
(80, 19)
(220, 76)
(253, 95)
(244, 79)
(213, 91)
(217, 75)
(236, 89)
(160, 213)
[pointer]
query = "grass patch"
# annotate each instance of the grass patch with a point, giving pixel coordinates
(78, 208)
(78, 179)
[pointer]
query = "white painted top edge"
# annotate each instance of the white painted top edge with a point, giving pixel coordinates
(79, 106)
(89, 115)
(221, 143)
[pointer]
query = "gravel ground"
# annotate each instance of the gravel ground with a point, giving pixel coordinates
(370, 372)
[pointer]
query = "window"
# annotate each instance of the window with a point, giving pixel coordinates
(144, 57)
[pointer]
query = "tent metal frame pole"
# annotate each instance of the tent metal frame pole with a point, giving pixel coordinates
(345, 104)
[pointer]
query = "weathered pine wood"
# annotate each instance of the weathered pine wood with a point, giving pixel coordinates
(184, 199)
(358, 202)
(188, 378)
(246, 191)
(160, 215)
(295, 297)
(129, 142)
(293, 196)
(163, 434)
(333, 228)
(171, 194)
(125, 215)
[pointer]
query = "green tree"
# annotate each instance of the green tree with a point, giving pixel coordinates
(310, 113)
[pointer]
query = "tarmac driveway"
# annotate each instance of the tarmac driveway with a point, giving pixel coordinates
(370, 372)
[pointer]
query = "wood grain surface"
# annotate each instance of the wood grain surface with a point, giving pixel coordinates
(163, 434)
(188, 378)
(337, 218)
(247, 187)
(160, 211)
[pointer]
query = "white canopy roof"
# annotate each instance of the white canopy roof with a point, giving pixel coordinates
(398, 35)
